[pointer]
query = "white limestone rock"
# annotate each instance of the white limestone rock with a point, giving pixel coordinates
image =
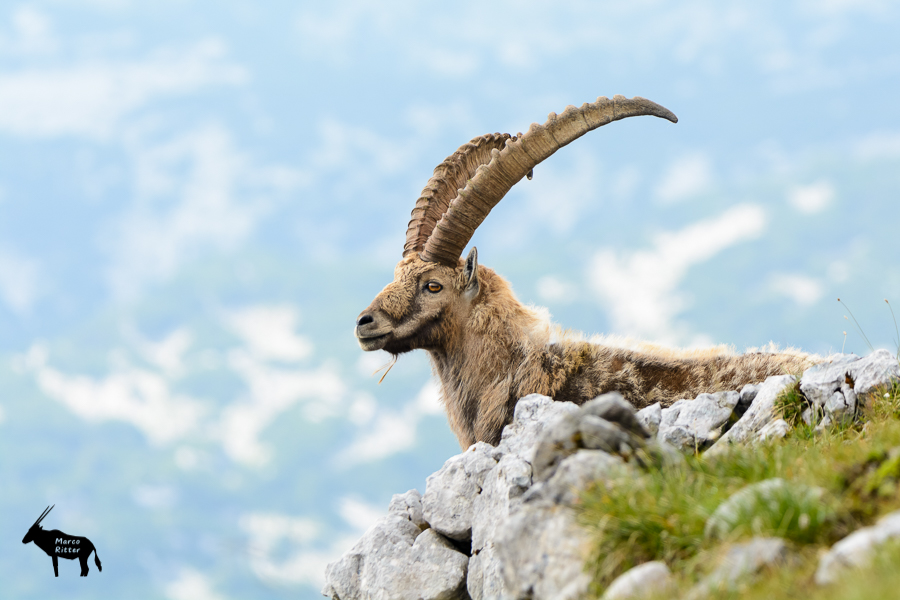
(840, 407)
(501, 492)
(575, 473)
(555, 443)
(694, 424)
(613, 408)
(748, 394)
(485, 578)
(775, 430)
(679, 437)
(599, 434)
(395, 560)
(409, 506)
(450, 492)
(540, 546)
(607, 423)
(500, 496)
(650, 417)
(878, 368)
(847, 371)
(542, 550)
(533, 414)
(820, 381)
(649, 579)
(856, 550)
(760, 414)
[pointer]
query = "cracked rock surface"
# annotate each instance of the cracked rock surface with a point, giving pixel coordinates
(760, 413)
(396, 560)
(696, 424)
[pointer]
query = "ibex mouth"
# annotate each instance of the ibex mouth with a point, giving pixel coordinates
(372, 342)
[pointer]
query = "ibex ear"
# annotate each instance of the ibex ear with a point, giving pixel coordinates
(471, 271)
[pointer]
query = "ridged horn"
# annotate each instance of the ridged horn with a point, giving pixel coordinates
(514, 161)
(448, 178)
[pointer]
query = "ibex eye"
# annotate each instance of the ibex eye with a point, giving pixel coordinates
(434, 287)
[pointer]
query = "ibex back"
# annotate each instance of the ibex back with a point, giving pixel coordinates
(487, 348)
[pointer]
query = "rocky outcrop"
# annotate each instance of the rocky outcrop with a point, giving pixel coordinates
(696, 424)
(506, 513)
(500, 522)
(760, 414)
(450, 494)
(398, 560)
(832, 387)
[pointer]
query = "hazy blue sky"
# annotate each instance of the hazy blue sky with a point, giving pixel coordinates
(198, 198)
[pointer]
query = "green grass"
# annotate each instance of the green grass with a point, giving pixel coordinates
(791, 403)
(838, 480)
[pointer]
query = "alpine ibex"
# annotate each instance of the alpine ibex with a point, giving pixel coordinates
(56, 543)
(487, 348)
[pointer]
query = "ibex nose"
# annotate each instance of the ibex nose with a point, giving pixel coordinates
(364, 320)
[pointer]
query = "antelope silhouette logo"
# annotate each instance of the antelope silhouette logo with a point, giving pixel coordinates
(56, 543)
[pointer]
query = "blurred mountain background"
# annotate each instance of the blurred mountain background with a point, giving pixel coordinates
(197, 198)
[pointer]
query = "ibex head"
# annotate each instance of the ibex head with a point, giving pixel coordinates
(433, 289)
(34, 529)
(415, 310)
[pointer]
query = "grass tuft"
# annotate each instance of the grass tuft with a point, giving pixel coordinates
(785, 509)
(660, 516)
(791, 403)
(836, 481)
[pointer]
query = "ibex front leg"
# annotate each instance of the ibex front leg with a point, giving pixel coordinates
(56, 565)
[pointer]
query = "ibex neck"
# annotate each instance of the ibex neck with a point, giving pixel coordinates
(478, 367)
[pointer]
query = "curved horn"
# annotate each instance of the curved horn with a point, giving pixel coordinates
(507, 166)
(43, 514)
(443, 186)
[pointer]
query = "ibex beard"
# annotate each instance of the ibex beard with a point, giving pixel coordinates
(487, 348)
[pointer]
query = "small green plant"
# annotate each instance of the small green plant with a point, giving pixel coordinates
(791, 403)
(881, 481)
(659, 516)
(882, 404)
(663, 514)
(786, 509)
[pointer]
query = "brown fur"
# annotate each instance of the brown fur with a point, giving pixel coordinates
(489, 350)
